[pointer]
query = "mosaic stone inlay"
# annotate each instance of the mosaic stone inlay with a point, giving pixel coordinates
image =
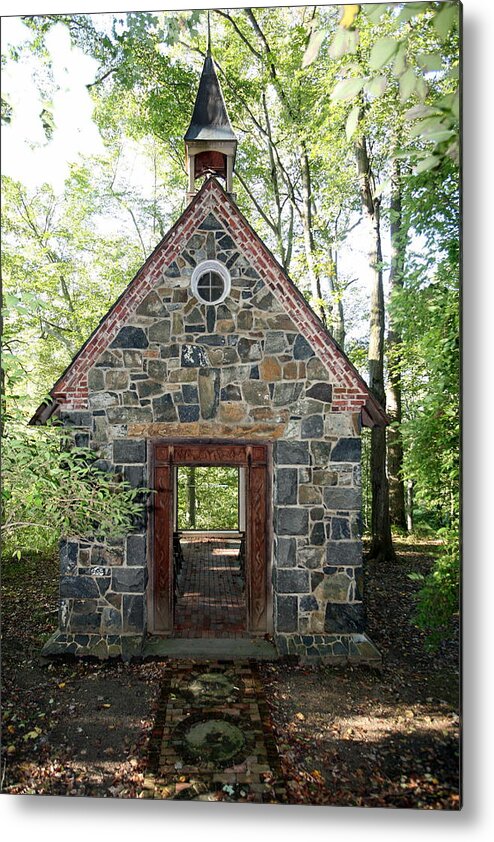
(212, 739)
(212, 687)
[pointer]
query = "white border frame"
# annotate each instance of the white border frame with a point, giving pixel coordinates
(211, 266)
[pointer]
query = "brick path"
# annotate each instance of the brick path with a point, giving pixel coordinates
(212, 739)
(211, 595)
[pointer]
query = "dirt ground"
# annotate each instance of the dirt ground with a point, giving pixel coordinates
(345, 736)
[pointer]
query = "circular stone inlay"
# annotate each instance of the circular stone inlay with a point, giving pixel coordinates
(211, 686)
(214, 740)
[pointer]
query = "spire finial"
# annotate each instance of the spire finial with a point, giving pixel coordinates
(208, 51)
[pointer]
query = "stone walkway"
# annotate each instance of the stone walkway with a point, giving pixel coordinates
(212, 739)
(211, 594)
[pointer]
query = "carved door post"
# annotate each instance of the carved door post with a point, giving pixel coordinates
(163, 537)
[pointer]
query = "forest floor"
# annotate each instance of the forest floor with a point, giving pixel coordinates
(350, 736)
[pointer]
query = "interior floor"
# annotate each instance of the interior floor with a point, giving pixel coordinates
(210, 587)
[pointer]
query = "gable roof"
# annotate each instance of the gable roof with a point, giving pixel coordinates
(351, 392)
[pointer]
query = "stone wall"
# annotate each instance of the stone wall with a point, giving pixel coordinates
(239, 370)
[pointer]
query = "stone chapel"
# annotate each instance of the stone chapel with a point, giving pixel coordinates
(212, 357)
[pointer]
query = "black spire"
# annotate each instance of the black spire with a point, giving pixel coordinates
(210, 119)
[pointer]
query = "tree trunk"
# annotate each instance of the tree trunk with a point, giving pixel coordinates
(191, 497)
(410, 505)
(393, 391)
(309, 246)
(381, 543)
(305, 209)
(337, 326)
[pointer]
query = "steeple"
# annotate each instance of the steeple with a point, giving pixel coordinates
(210, 143)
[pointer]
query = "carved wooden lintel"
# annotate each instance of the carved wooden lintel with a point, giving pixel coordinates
(264, 430)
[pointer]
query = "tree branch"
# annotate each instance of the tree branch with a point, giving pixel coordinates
(256, 204)
(101, 78)
(239, 32)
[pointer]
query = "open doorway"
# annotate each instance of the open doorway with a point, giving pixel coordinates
(239, 544)
(209, 551)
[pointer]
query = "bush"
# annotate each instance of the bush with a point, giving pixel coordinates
(52, 489)
(439, 597)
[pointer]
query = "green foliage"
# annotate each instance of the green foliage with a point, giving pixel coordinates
(415, 46)
(50, 488)
(53, 490)
(62, 271)
(215, 493)
(438, 598)
(427, 313)
(431, 429)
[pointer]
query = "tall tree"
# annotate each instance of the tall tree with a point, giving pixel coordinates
(397, 512)
(381, 543)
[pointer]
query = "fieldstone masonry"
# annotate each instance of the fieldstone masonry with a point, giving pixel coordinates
(238, 370)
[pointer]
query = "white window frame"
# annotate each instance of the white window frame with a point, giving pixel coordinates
(211, 266)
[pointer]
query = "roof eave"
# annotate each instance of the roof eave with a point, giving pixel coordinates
(44, 412)
(373, 415)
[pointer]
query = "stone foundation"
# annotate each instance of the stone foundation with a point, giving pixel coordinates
(98, 646)
(310, 649)
(330, 649)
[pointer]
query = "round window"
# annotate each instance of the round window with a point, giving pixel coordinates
(211, 282)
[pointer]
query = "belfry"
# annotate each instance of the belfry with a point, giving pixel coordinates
(210, 142)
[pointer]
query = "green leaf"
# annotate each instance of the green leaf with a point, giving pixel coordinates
(376, 86)
(421, 88)
(313, 47)
(447, 103)
(32, 735)
(382, 52)
(444, 20)
(352, 121)
(381, 187)
(427, 126)
(420, 111)
(344, 42)
(348, 88)
(411, 10)
(416, 577)
(430, 61)
(374, 11)
(427, 164)
(440, 137)
(400, 62)
(408, 82)
(338, 45)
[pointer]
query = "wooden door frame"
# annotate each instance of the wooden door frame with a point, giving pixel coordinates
(256, 458)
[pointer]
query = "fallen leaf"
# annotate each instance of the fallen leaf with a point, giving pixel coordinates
(32, 735)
